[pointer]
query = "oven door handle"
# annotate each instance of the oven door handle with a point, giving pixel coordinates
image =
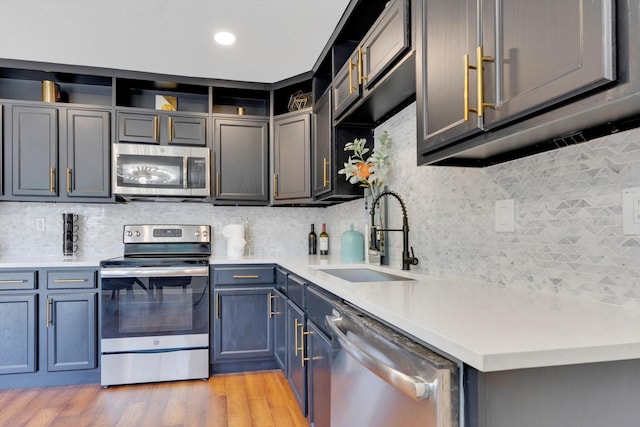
(154, 272)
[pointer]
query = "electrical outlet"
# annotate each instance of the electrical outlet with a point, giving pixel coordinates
(505, 216)
(631, 211)
(41, 224)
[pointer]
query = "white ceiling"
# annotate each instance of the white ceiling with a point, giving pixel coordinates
(277, 39)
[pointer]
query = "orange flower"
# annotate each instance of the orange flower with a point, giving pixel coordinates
(364, 169)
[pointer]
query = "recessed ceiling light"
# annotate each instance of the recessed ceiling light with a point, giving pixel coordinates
(224, 37)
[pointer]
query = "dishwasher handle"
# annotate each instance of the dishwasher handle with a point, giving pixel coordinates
(413, 387)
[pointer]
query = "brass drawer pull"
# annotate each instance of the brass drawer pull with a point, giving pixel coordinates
(11, 282)
(70, 280)
(271, 312)
(68, 180)
(49, 310)
(170, 127)
(238, 276)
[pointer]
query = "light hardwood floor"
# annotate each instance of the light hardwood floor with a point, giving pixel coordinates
(260, 399)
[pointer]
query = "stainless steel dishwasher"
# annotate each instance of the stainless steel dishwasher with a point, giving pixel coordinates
(380, 378)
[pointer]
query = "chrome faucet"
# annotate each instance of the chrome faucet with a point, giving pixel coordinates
(407, 260)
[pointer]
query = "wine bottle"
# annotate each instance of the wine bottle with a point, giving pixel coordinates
(312, 241)
(324, 241)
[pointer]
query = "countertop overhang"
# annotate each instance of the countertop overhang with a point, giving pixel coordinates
(487, 326)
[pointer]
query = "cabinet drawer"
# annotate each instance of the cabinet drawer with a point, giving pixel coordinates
(295, 290)
(319, 306)
(17, 280)
(243, 275)
(71, 279)
(281, 280)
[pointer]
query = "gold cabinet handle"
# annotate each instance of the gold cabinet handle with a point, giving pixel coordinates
(218, 184)
(361, 76)
(217, 306)
(52, 179)
(155, 128)
(69, 280)
(271, 312)
(325, 181)
(275, 185)
(68, 180)
(11, 282)
(481, 60)
(241, 276)
(49, 310)
(296, 325)
(302, 335)
(170, 128)
(352, 88)
(467, 67)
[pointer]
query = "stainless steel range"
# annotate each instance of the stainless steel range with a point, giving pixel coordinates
(155, 306)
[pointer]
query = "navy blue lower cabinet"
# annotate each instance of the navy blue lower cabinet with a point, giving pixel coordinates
(279, 306)
(242, 323)
(72, 342)
(296, 368)
(319, 376)
(17, 333)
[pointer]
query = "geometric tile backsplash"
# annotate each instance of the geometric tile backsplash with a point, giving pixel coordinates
(568, 225)
(568, 236)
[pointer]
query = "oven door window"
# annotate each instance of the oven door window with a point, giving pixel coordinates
(147, 306)
(150, 171)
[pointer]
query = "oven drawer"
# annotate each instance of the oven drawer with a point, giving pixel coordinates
(72, 279)
(243, 275)
(17, 280)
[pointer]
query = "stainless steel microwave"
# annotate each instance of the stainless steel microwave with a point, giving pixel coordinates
(160, 170)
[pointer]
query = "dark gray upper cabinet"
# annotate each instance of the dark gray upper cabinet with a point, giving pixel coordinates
(35, 151)
(322, 141)
(292, 156)
(387, 40)
(480, 70)
(72, 342)
(329, 155)
(88, 154)
(58, 153)
(346, 86)
(162, 128)
(241, 161)
(17, 333)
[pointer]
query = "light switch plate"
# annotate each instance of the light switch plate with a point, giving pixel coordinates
(631, 211)
(505, 216)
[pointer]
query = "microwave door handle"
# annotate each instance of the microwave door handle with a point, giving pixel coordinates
(185, 172)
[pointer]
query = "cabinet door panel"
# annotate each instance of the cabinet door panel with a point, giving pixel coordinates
(35, 151)
(241, 160)
(187, 130)
(296, 370)
(138, 128)
(242, 326)
(292, 157)
(546, 51)
(323, 138)
(17, 334)
(319, 353)
(88, 148)
(385, 41)
(346, 88)
(279, 305)
(448, 33)
(72, 332)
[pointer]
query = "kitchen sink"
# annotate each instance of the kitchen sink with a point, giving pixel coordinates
(364, 275)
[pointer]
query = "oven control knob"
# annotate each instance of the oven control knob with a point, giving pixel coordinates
(137, 233)
(205, 233)
(198, 234)
(129, 234)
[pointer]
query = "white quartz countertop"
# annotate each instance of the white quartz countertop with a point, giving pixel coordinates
(487, 326)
